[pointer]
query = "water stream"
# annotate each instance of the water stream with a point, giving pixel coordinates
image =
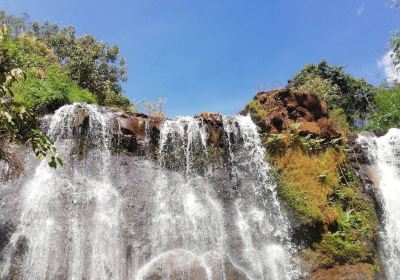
(384, 153)
(113, 216)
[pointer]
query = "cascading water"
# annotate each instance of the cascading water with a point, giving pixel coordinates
(69, 219)
(107, 215)
(384, 153)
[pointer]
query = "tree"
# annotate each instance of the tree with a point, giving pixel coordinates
(341, 90)
(93, 64)
(17, 124)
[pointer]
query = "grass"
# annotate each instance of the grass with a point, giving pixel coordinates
(302, 187)
(318, 187)
(255, 108)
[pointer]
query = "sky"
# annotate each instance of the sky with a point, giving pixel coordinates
(214, 55)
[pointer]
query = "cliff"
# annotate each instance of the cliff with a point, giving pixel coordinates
(336, 220)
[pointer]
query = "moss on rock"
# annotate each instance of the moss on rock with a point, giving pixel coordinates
(335, 222)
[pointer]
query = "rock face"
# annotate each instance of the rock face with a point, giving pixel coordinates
(286, 107)
(346, 272)
(134, 131)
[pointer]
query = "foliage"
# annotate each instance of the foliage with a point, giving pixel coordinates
(16, 122)
(301, 186)
(153, 109)
(93, 64)
(394, 45)
(323, 87)
(48, 91)
(353, 95)
(255, 108)
(387, 113)
(319, 188)
(18, 25)
(338, 117)
(277, 144)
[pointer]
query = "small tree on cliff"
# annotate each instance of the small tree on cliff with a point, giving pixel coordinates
(341, 90)
(17, 124)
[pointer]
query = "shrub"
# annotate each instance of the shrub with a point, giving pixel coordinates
(353, 95)
(49, 91)
(387, 112)
(323, 87)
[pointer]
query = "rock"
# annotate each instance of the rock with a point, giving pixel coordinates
(210, 118)
(135, 132)
(284, 107)
(81, 118)
(306, 128)
(345, 272)
(214, 127)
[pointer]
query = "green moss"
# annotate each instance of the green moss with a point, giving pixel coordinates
(298, 203)
(256, 109)
(318, 187)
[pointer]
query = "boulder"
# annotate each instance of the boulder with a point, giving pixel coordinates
(81, 118)
(210, 118)
(284, 107)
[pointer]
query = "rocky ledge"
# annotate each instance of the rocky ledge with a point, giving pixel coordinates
(277, 110)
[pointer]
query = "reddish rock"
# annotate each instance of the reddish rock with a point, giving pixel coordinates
(210, 118)
(345, 272)
(136, 124)
(285, 107)
(306, 128)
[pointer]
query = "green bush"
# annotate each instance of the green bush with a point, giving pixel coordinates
(387, 113)
(353, 95)
(46, 91)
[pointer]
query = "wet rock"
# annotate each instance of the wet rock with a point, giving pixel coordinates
(214, 119)
(6, 231)
(81, 118)
(11, 164)
(135, 132)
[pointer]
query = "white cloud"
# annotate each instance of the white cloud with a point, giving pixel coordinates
(386, 63)
(360, 9)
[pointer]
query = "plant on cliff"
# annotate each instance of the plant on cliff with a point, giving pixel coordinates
(336, 223)
(89, 64)
(341, 90)
(93, 64)
(387, 113)
(320, 190)
(17, 122)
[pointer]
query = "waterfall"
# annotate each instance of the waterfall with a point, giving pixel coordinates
(107, 215)
(384, 153)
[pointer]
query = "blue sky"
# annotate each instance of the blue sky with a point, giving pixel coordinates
(214, 55)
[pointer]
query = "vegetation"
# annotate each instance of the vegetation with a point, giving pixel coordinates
(43, 67)
(62, 67)
(387, 113)
(93, 64)
(353, 95)
(17, 123)
(320, 189)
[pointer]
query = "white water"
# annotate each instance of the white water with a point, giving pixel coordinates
(385, 154)
(106, 216)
